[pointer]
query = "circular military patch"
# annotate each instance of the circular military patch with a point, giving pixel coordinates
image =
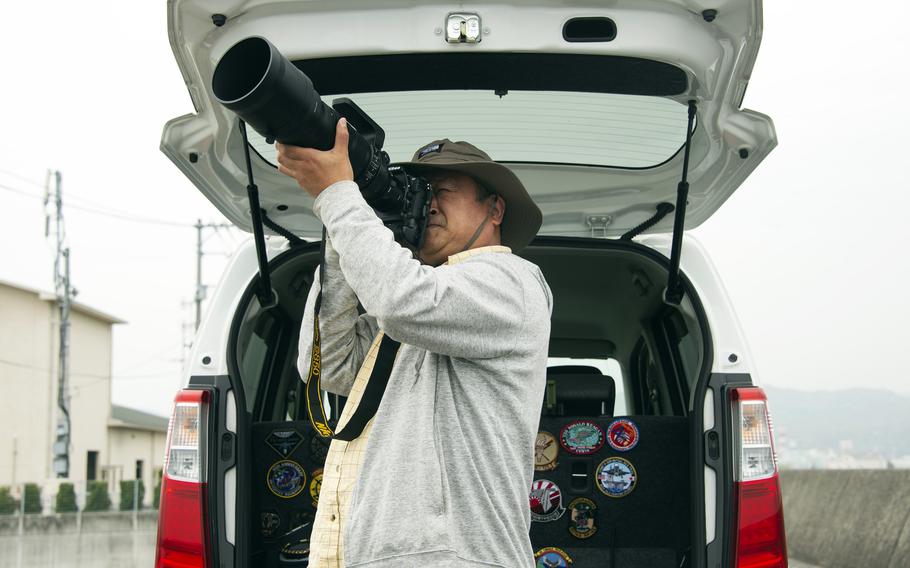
(315, 486)
(616, 477)
(581, 437)
(582, 513)
(545, 451)
(546, 501)
(286, 479)
(622, 435)
(552, 557)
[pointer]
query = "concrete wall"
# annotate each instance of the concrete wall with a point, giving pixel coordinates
(848, 518)
(91, 540)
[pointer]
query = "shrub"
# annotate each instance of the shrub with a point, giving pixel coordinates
(8, 504)
(32, 498)
(66, 499)
(156, 498)
(126, 495)
(97, 498)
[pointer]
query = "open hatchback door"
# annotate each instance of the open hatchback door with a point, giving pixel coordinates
(587, 104)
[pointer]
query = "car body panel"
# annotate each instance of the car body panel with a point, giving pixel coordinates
(576, 200)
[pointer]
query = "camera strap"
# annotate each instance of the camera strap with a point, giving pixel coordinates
(314, 406)
(372, 393)
(481, 226)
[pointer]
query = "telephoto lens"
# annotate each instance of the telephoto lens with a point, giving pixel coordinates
(278, 101)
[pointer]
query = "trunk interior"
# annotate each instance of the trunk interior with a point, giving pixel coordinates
(616, 350)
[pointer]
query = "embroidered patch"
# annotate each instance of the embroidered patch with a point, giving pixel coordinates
(269, 521)
(546, 451)
(582, 516)
(616, 477)
(581, 437)
(286, 479)
(546, 501)
(315, 486)
(428, 149)
(319, 449)
(552, 557)
(622, 435)
(284, 441)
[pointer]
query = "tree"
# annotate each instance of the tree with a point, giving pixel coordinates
(98, 498)
(66, 499)
(32, 498)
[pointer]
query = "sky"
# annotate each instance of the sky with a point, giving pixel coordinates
(812, 247)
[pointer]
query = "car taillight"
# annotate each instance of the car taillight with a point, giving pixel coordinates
(182, 516)
(759, 540)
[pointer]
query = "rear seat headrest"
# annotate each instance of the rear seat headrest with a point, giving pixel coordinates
(582, 391)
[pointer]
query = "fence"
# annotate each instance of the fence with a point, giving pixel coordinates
(64, 497)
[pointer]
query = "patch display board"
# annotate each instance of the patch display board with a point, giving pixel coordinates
(624, 485)
(286, 472)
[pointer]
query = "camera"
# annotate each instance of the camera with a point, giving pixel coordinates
(278, 101)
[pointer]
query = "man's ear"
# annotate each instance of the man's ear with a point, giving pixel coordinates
(498, 210)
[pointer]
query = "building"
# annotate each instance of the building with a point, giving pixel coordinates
(107, 442)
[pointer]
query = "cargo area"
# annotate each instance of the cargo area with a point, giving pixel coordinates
(623, 373)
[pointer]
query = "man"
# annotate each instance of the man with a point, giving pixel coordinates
(439, 477)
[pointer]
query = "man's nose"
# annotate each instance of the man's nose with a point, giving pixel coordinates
(434, 206)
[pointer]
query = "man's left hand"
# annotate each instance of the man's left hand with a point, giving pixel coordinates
(314, 169)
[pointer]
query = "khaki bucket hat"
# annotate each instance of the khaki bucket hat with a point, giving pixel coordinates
(522, 217)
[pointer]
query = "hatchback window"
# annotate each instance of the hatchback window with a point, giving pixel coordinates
(599, 129)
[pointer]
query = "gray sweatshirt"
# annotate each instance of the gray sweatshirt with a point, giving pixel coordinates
(450, 458)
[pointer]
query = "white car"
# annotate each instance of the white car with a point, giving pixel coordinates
(655, 440)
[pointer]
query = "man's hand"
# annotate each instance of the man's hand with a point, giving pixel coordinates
(316, 170)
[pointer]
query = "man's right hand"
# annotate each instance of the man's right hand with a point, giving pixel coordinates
(314, 169)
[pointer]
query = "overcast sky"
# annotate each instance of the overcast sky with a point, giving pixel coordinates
(812, 247)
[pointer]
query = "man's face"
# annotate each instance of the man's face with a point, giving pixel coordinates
(455, 213)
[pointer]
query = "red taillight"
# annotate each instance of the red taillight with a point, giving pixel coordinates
(182, 515)
(759, 540)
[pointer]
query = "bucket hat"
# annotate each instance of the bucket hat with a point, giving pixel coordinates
(522, 217)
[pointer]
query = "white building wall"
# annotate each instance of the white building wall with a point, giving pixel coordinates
(90, 392)
(29, 337)
(26, 370)
(128, 445)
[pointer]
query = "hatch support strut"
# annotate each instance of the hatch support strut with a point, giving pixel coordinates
(674, 292)
(267, 296)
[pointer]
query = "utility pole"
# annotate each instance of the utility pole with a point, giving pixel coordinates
(201, 290)
(64, 293)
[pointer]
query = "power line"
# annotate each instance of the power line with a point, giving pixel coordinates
(105, 212)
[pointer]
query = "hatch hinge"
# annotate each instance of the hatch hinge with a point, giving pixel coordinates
(267, 296)
(674, 292)
(598, 223)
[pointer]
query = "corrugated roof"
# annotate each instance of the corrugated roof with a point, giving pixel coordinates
(132, 418)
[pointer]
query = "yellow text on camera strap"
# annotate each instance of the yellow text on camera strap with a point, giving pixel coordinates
(313, 387)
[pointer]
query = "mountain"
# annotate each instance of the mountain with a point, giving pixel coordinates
(861, 421)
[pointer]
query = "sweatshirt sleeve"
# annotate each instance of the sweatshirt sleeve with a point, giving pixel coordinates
(346, 335)
(469, 309)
